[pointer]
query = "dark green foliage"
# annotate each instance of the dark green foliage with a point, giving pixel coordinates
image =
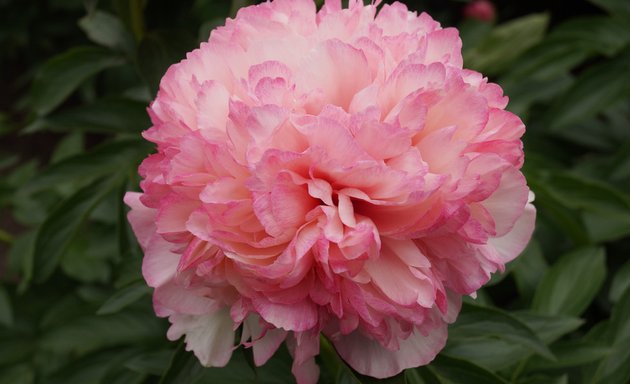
(77, 77)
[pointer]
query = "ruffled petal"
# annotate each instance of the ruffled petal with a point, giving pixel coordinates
(209, 336)
(368, 357)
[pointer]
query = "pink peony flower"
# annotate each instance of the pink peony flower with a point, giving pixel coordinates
(333, 172)
(482, 10)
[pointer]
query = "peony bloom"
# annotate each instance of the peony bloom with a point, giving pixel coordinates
(482, 10)
(333, 172)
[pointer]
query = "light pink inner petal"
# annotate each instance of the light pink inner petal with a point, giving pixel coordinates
(339, 69)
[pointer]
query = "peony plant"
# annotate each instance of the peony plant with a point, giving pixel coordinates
(334, 172)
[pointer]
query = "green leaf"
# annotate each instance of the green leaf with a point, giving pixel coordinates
(17, 374)
(86, 334)
(124, 297)
(568, 45)
(593, 133)
(549, 328)
(116, 156)
(570, 285)
(21, 258)
(570, 353)
(7, 160)
(65, 310)
(552, 207)
(183, 368)
(597, 88)
(15, 350)
(601, 34)
(528, 269)
(421, 375)
(472, 32)
(620, 319)
(150, 362)
(544, 379)
(334, 365)
(458, 371)
(505, 43)
(107, 30)
(605, 210)
(6, 311)
(550, 58)
(108, 115)
(578, 192)
(614, 7)
(620, 283)
(621, 164)
(63, 74)
(63, 223)
(616, 368)
(489, 352)
(124, 376)
(476, 321)
(87, 258)
(93, 294)
(70, 145)
(130, 268)
(91, 369)
(606, 224)
(525, 93)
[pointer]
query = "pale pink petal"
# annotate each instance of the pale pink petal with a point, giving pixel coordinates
(307, 372)
(264, 342)
(507, 203)
(372, 135)
(266, 346)
(303, 347)
(338, 69)
(160, 262)
(295, 317)
(370, 358)
(171, 298)
(444, 46)
(141, 218)
(394, 278)
(209, 336)
(212, 104)
(514, 242)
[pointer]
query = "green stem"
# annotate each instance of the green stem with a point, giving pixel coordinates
(329, 356)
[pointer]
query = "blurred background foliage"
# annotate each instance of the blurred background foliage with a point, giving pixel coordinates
(76, 78)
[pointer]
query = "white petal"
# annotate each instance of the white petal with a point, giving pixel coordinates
(209, 336)
(514, 242)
